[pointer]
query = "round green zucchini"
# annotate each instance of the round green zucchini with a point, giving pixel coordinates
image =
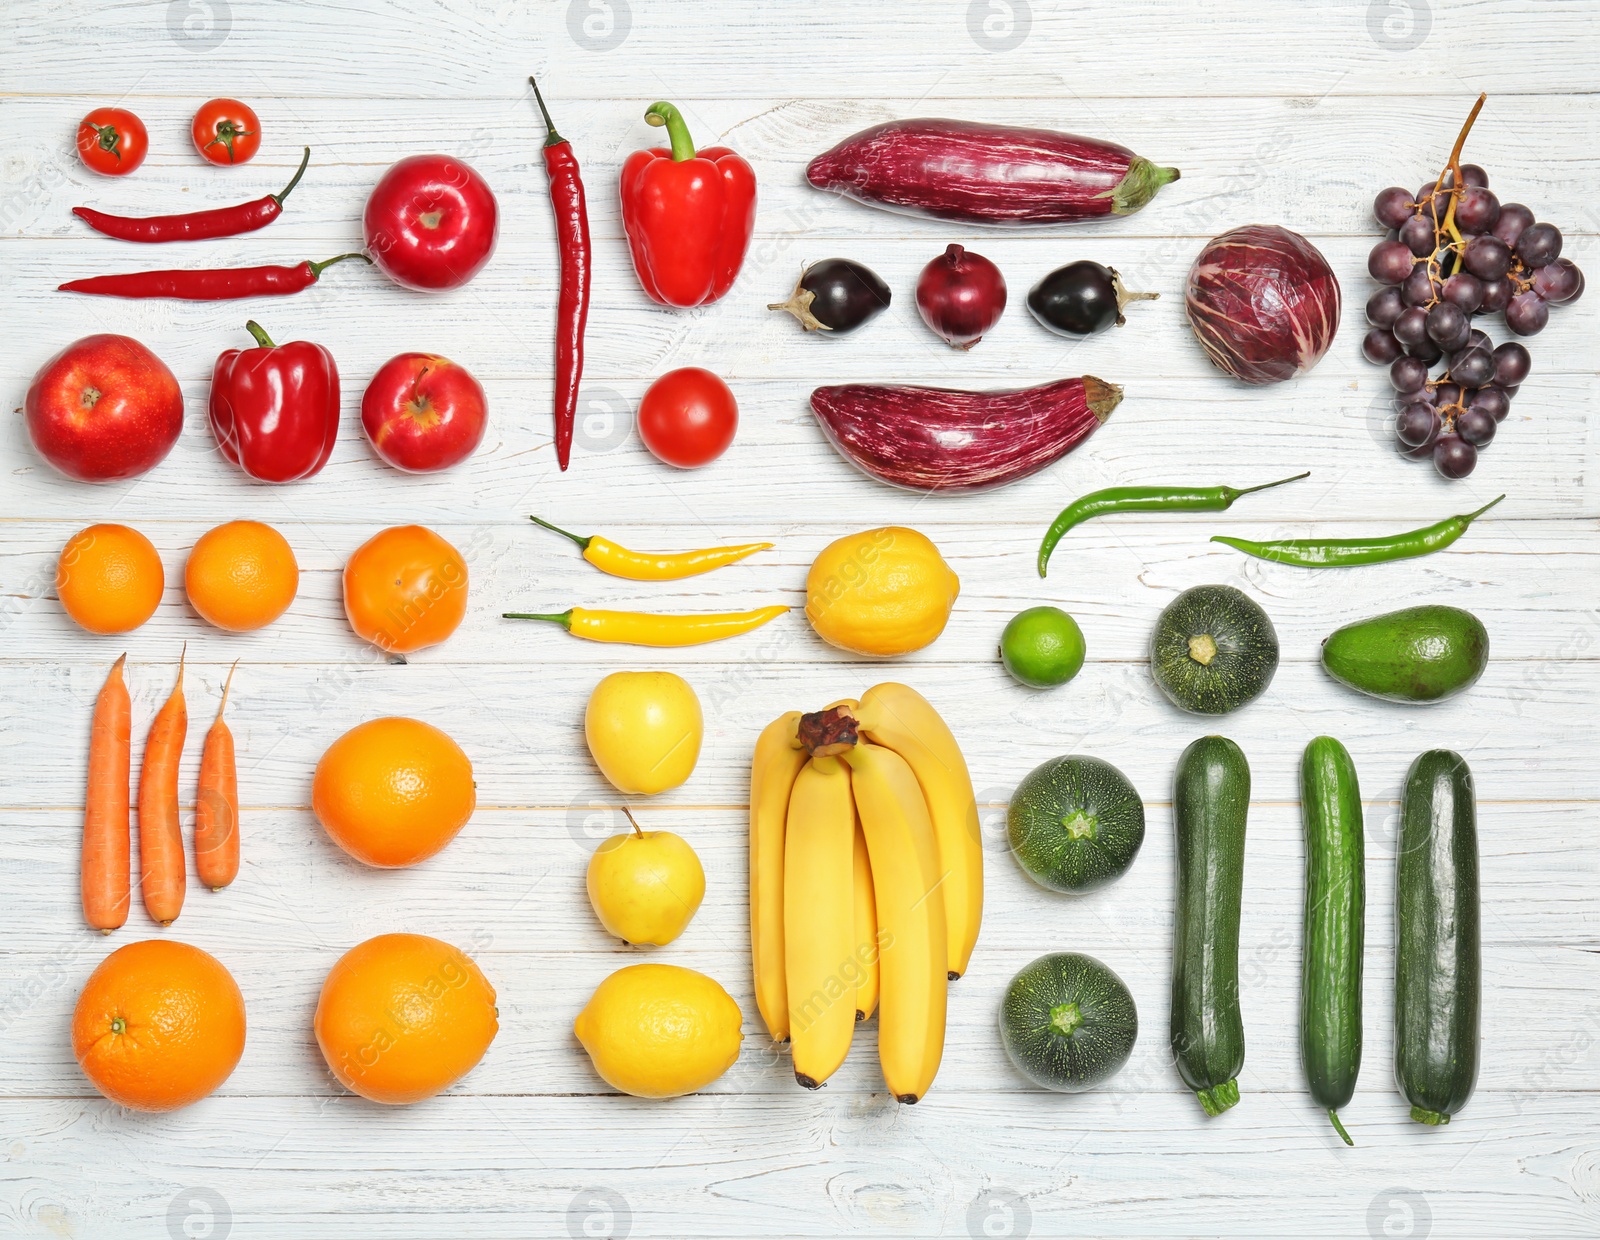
(1213, 651)
(1075, 823)
(1068, 1022)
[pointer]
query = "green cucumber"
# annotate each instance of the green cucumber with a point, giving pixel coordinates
(1210, 799)
(1335, 913)
(1437, 974)
(1421, 654)
(1068, 1022)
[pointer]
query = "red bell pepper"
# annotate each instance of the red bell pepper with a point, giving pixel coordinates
(275, 410)
(688, 214)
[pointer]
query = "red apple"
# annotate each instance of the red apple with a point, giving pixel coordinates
(422, 412)
(431, 223)
(104, 408)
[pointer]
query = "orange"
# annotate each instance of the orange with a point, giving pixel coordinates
(159, 1024)
(405, 588)
(241, 576)
(404, 1016)
(393, 791)
(109, 578)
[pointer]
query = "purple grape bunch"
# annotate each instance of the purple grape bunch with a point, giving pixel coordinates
(1451, 255)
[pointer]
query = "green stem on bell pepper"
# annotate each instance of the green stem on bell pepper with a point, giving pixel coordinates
(659, 114)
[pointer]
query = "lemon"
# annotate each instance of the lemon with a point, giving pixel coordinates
(644, 730)
(658, 1030)
(885, 592)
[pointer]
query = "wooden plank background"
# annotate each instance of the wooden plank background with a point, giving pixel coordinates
(1292, 114)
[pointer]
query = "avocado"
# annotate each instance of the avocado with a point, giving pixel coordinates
(1421, 654)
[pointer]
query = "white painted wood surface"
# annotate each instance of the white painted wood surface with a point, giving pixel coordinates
(1277, 113)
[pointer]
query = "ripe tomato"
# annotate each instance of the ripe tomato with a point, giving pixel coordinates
(688, 417)
(405, 588)
(226, 131)
(112, 141)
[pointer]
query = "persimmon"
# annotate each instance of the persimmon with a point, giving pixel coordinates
(405, 588)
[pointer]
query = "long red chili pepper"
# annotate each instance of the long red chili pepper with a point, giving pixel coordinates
(218, 284)
(195, 225)
(572, 239)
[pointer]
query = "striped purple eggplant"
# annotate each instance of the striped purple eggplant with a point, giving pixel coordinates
(940, 439)
(987, 174)
(1263, 302)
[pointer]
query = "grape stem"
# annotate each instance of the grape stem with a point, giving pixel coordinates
(1452, 169)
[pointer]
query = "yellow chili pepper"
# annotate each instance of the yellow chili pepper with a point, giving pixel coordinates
(618, 561)
(637, 628)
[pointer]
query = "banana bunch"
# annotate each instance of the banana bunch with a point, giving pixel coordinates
(866, 882)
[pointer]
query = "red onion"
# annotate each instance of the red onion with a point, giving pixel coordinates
(961, 295)
(940, 439)
(1264, 303)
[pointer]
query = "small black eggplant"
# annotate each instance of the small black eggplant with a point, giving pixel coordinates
(1081, 298)
(836, 295)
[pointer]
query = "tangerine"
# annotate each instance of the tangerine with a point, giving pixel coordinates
(241, 576)
(109, 578)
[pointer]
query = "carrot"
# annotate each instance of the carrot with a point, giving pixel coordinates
(106, 847)
(216, 810)
(161, 862)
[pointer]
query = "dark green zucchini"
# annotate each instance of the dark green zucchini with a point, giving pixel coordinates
(1075, 823)
(1437, 975)
(1213, 651)
(1210, 799)
(1068, 1022)
(1335, 926)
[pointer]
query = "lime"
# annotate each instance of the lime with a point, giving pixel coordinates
(1042, 647)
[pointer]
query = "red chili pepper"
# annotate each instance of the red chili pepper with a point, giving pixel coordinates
(688, 216)
(275, 410)
(572, 239)
(219, 284)
(195, 225)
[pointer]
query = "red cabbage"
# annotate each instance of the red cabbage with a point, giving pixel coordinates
(1263, 302)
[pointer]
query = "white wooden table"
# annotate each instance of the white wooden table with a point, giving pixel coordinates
(1292, 114)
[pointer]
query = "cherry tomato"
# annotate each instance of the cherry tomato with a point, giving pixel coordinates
(688, 417)
(226, 131)
(112, 141)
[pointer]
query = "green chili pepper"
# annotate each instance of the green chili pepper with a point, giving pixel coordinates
(1333, 553)
(1144, 499)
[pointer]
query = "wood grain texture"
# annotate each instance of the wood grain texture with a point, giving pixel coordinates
(1290, 114)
